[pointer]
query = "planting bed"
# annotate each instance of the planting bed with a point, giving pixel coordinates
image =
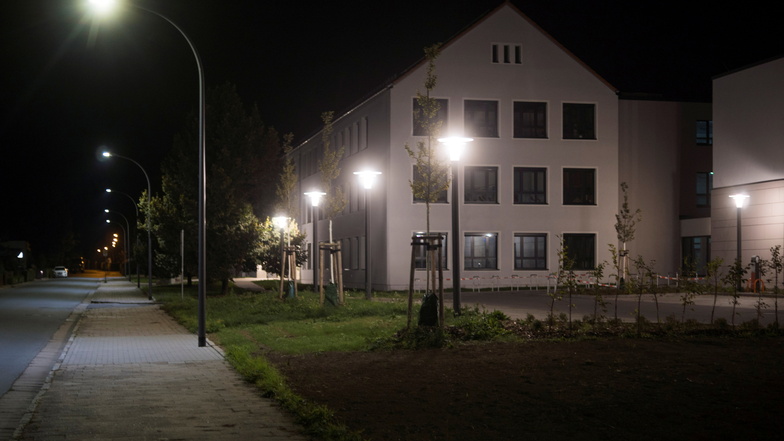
(696, 388)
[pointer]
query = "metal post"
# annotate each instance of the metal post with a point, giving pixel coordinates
(368, 282)
(315, 248)
(455, 240)
(740, 253)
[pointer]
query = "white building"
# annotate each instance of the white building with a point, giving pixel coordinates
(748, 106)
(552, 143)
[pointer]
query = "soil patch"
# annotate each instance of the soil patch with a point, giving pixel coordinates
(705, 388)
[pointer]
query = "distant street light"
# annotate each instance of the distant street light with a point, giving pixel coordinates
(455, 145)
(147, 220)
(127, 248)
(136, 209)
(315, 198)
(367, 179)
(103, 6)
(739, 199)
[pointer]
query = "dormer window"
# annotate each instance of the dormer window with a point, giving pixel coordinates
(506, 53)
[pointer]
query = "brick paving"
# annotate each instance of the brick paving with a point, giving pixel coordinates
(129, 372)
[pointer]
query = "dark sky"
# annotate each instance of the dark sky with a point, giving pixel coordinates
(72, 85)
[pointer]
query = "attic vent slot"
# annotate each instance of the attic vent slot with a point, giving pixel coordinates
(502, 53)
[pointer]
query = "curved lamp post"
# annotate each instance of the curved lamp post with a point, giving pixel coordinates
(315, 198)
(104, 6)
(367, 179)
(455, 146)
(149, 206)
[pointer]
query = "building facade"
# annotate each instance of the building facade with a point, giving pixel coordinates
(552, 142)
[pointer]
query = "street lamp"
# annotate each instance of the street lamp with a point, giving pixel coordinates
(149, 227)
(102, 6)
(739, 199)
(455, 145)
(315, 198)
(115, 239)
(366, 179)
(127, 233)
(136, 208)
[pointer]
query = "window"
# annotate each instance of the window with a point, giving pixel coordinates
(579, 186)
(530, 185)
(581, 248)
(439, 120)
(704, 133)
(530, 120)
(704, 185)
(420, 256)
(439, 199)
(530, 251)
(481, 185)
(696, 254)
(506, 53)
(481, 118)
(481, 251)
(579, 121)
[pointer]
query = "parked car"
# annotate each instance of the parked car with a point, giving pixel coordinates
(60, 271)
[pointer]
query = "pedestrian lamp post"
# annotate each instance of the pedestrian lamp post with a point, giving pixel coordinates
(455, 146)
(280, 222)
(315, 197)
(147, 220)
(367, 179)
(740, 200)
(104, 7)
(136, 208)
(127, 232)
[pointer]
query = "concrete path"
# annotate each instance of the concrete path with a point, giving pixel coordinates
(129, 372)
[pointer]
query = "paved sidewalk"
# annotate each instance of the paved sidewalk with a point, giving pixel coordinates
(129, 372)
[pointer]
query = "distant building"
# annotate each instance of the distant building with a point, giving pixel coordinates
(552, 143)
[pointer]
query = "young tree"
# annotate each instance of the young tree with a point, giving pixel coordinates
(429, 166)
(329, 166)
(625, 225)
(269, 255)
(776, 263)
(735, 277)
(713, 271)
(288, 200)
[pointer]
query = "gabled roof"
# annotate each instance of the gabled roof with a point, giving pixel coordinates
(485, 17)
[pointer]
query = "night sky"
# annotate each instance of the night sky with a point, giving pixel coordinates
(72, 85)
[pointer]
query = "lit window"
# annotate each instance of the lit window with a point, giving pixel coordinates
(481, 251)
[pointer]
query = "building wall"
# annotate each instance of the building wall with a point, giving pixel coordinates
(748, 110)
(659, 160)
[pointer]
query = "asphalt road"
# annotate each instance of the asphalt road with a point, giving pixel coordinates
(30, 314)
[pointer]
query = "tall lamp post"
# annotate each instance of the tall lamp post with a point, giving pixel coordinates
(149, 206)
(125, 239)
(455, 145)
(136, 208)
(740, 200)
(315, 198)
(103, 6)
(366, 179)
